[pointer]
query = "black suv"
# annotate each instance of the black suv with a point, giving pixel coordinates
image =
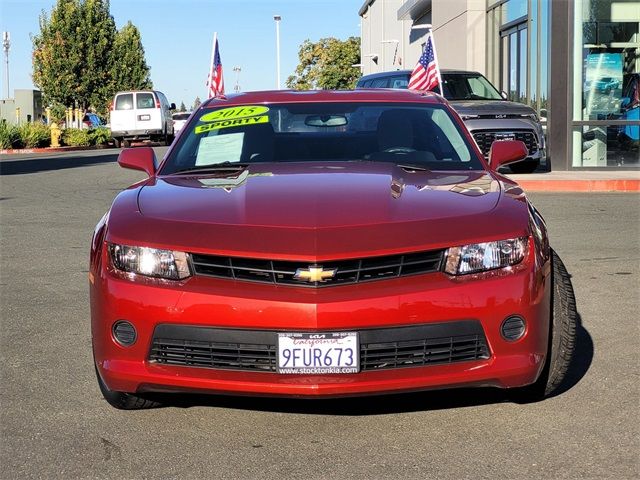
(487, 114)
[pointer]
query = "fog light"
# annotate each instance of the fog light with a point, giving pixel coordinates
(512, 328)
(124, 333)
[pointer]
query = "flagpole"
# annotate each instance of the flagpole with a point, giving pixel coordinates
(213, 50)
(435, 56)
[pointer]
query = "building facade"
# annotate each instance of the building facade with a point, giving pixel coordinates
(577, 63)
(25, 106)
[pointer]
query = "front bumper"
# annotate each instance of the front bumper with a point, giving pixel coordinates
(141, 134)
(422, 300)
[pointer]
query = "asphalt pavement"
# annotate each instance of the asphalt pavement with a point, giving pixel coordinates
(55, 424)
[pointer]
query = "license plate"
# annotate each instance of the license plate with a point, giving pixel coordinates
(144, 117)
(504, 136)
(318, 353)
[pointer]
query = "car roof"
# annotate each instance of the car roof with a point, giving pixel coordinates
(408, 72)
(138, 91)
(320, 96)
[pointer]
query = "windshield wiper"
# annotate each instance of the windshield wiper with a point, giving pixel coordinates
(218, 167)
(407, 166)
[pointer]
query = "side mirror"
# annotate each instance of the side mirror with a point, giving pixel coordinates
(504, 95)
(142, 158)
(504, 152)
(173, 106)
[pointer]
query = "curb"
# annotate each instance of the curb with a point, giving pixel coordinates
(620, 185)
(10, 151)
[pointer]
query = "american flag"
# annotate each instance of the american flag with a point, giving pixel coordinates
(426, 74)
(215, 81)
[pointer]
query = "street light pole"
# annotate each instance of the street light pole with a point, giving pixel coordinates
(6, 44)
(277, 18)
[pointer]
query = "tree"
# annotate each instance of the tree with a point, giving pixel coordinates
(97, 37)
(75, 55)
(59, 60)
(196, 103)
(327, 64)
(129, 70)
(183, 108)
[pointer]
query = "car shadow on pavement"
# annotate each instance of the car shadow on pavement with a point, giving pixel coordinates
(348, 406)
(391, 403)
(51, 163)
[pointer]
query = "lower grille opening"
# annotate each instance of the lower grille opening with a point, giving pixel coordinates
(422, 352)
(380, 349)
(214, 355)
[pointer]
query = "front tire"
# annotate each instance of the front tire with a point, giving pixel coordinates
(122, 400)
(562, 336)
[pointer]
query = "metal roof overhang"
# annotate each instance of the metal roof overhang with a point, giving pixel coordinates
(413, 9)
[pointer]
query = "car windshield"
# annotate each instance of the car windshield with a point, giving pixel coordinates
(419, 135)
(468, 87)
(180, 116)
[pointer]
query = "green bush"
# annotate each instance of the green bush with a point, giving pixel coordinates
(9, 136)
(75, 137)
(100, 135)
(34, 135)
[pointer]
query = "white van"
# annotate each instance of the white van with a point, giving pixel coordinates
(141, 115)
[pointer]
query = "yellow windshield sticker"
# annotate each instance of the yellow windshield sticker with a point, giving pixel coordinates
(234, 112)
(235, 122)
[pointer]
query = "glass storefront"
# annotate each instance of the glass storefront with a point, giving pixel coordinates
(602, 111)
(606, 84)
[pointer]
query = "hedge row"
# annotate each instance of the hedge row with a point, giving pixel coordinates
(37, 135)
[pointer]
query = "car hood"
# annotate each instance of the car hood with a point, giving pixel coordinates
(317, 210)
(490, 107)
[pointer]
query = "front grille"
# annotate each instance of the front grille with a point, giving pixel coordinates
(380, 349)
(346, 271)
(485, 138)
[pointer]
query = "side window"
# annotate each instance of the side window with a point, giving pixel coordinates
(380, 83)
(399, 82)
(124, 101)
(145, 100)
(366, 84)
(164, 100)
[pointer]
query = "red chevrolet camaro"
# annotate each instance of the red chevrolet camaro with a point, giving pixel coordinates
(319, 244)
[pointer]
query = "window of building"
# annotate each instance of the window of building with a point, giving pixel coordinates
(606, 99)
(515, 49)
(517, 43)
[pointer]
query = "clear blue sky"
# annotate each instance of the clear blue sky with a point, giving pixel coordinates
(177, 35)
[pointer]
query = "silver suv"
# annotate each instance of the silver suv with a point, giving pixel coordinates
(486, 113)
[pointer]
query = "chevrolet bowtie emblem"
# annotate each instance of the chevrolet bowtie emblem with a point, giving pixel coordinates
(314, 274)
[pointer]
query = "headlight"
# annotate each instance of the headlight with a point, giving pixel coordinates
(479, 257)
(150, 262)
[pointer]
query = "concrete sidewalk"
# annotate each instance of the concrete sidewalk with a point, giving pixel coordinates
(579, 181)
